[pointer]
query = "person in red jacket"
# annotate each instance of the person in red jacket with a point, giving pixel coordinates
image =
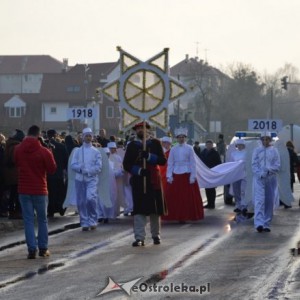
(33, 162)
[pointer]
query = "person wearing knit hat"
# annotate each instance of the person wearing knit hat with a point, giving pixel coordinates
(86, 162)
(18, 135)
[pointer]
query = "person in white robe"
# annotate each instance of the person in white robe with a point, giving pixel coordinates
(265, 166)
(183, 196)
(70, 200)
(239, 187)
(86, 162)
(128, 202)
(107, 189)
(284, 175)
(117, 166)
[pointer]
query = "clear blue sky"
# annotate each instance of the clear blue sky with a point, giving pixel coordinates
(262, 33)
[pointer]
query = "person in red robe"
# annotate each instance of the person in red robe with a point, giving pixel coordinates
(183, 196)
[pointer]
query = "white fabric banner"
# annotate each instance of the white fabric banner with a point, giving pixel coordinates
(222, 174)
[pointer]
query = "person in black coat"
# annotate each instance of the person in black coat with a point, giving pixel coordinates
(3, 200)
(70, 144)
(101, 139)
(197, 148)
(11, 174)
(211, 158)
(149, 202)
(57, 182)
(293, 161)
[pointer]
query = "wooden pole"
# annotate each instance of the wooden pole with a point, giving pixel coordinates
(144, 149)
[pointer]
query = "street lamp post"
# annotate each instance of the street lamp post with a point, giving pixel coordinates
(93, 120)
(271, 107)
(99, 94)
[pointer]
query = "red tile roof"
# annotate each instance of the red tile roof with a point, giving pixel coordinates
(100, 70)
(30, 64)
(55, 86)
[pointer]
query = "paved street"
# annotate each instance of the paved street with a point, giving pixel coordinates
(222, 258)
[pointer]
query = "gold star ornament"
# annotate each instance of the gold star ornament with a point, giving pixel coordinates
(144, 90)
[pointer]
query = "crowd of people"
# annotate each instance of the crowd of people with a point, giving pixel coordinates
(44, 173)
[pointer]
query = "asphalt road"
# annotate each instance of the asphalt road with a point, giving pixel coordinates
(215, 258)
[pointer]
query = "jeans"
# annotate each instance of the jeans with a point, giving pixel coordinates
(29, 204)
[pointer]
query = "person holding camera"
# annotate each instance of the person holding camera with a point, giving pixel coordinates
(148, 200)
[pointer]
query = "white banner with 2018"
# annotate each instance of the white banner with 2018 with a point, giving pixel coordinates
(264, 125)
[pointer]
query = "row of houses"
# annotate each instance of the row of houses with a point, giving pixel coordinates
(39, 89)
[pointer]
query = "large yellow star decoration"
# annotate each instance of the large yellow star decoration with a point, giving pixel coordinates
(144, 89)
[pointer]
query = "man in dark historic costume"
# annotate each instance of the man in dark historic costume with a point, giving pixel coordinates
(147, 201)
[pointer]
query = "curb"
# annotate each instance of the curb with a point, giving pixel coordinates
(7, 225)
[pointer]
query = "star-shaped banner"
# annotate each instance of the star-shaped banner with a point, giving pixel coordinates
(144, 89)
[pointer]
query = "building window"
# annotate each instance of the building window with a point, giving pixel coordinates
(76, 88)
(12, 112)
(16, 112)
(109, 112)
(73, 89)
(53, 110)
